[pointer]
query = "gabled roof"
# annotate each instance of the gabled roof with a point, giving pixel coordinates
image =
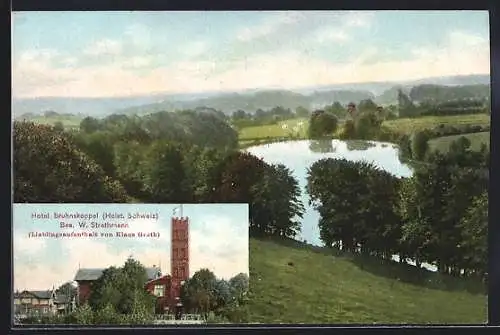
(159, 279)
(94, 274)
(45, 294)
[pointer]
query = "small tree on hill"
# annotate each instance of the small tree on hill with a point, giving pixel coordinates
(321, 124)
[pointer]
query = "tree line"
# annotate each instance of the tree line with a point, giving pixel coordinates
(438, 216)
(439, 106)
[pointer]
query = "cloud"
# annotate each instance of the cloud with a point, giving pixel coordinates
(330, 34)
(25, 246)
(358, 19)
(104, 47)
(344, 25)
(139, 35)
(218, 243)
(195, 48)
(35, 73)
(269, 25)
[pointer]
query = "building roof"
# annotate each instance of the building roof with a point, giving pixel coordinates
(45, 294)
(159, 279)
(94, 274)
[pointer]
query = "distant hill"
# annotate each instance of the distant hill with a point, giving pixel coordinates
(390, 96)
(446, 93)
(248, 100)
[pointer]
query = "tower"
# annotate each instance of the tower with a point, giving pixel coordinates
(179, 255)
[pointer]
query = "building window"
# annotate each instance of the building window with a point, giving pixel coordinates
(159, 290)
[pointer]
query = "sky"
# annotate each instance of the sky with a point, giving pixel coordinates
(112, 54)
(218, 241)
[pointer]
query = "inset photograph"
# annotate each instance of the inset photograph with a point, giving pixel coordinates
(129, 264)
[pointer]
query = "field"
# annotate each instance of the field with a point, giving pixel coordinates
(407, 126)
(294, 283)
(443, 143)
(281, 129)
(68, 121)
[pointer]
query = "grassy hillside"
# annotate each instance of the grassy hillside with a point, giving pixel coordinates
(274, 130)
(443, 143)
(294, 283)
(68, 121)
(407, 125)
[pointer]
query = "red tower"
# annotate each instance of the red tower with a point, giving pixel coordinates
(179, 256)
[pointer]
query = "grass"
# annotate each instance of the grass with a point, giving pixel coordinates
(265, 133)
(69, 122)
(443, 143)
(291, 282)
(274, 130)
(407, 125)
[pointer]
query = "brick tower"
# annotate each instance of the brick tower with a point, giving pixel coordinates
(179, 256)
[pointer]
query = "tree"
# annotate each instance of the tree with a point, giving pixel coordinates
(405, 105)
(223, 293)
(271, 192)
(356, 205)
(123, 288)
(165, 178)
(98, 146)
(90, 125)
(321, 124)
(198, 292)
(336, 189)
(367, 125)
(276, 207)
(67, 289)
(419, 144)
(128, 161)
(416, 232)
(234, 177)
(367, 105)
(48, 167)
(348, 130)
(239, 286)
(474, 231)
(301, 112)
(200, 164)
(59, 126)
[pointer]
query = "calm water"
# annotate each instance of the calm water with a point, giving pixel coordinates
(299, 155)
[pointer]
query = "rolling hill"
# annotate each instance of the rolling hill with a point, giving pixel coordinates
(291, 282)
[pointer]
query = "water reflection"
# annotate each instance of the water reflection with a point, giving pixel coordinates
(322, 146)
(361, 145)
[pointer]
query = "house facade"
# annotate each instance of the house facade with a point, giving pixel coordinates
(64, 303)
(34, 303)
(161, 288)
